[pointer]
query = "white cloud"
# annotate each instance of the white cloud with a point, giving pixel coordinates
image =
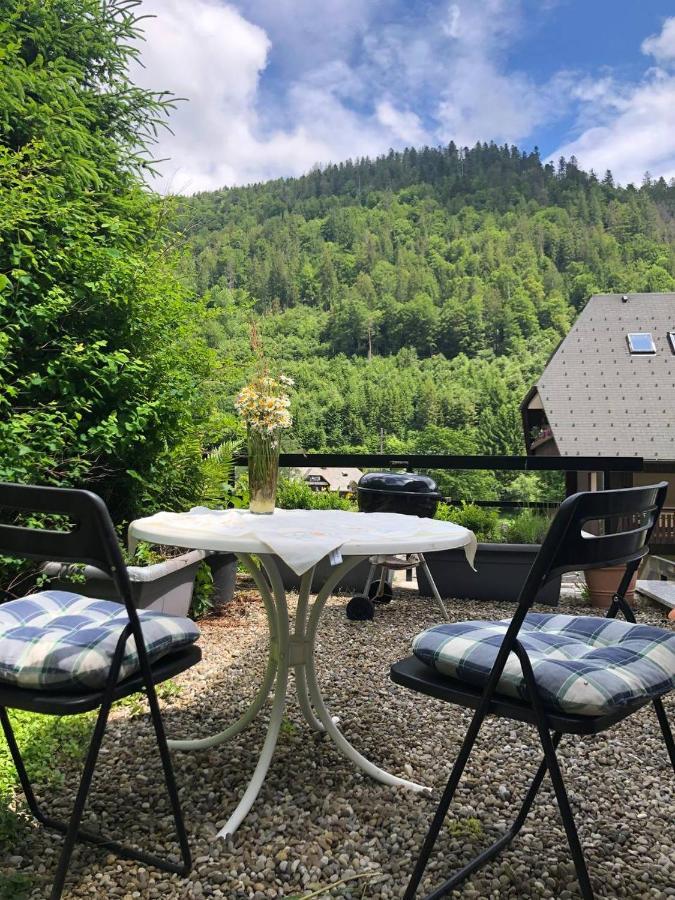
(662, 46)
(276, 86)
(403, 124)
(214, 57)
(482, 99)
(630, 129)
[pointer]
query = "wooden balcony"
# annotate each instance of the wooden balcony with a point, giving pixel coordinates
(663, 536)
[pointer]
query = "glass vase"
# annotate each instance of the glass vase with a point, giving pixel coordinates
(263, 469)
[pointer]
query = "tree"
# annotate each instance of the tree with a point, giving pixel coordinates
(103, 371)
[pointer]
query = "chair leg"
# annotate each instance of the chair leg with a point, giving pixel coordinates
(565, 812)
(80, 802)
(72, 830)
(548, 746)
(665, 730)
(490, 852)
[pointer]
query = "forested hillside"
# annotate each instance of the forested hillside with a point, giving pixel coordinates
(415, 297)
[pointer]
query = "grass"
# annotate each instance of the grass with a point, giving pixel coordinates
(15, 887)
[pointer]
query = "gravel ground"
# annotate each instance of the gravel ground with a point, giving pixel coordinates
(320, 825)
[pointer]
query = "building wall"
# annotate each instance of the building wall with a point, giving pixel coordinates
(641, 478)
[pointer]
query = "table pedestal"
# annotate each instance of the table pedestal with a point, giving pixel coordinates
(290, 650)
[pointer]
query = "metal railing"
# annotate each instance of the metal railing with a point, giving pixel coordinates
(452, 462)
(605, 468)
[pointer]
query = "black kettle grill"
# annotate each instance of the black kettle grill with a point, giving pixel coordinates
(398, 492)
(393, 492)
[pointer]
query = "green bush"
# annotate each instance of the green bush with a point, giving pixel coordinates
(103, 365)
(332, 500)
(104, 374)
(48, 743)
(528, 527)
(294, 493)
(483, 521)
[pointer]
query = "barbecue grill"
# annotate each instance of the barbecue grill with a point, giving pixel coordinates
(393, 492)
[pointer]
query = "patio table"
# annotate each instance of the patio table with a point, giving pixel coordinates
(302, 538)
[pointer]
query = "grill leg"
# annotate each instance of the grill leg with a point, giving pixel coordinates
(434, 589)
(369, 580)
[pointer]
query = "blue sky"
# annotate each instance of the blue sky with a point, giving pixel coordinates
(278, 86)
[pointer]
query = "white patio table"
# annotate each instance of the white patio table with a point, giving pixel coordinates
(301, 538)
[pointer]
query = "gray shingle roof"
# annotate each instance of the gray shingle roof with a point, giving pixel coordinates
(602, 400)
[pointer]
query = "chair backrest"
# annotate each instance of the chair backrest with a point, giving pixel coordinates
(624, 520)
(86, 536)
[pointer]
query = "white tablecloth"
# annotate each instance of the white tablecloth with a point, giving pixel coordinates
(302, 537)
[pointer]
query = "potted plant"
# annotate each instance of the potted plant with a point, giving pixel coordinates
(506, 551)
(603, 583)
(164, 579)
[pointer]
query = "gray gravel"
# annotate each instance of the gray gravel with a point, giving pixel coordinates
(319, 823)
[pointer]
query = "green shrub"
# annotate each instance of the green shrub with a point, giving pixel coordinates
(483, 521)
(48, 743)
(294, 493)
(332, 500)
(105, 377)
(528, 527)
(202, 597)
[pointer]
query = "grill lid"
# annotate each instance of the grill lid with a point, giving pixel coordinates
(398, 483)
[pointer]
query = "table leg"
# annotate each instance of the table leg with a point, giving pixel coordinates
(324, 715)
(245, 720)
(298, 652)
(278, 704)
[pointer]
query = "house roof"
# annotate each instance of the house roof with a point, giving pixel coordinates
(337, 479)
(601, 399)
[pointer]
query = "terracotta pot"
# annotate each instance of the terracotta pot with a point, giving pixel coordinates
(603, 584)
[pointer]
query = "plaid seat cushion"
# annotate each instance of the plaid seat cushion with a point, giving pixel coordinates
(55, 640)
(585, 665)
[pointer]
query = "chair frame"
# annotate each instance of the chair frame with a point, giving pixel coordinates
(91, 540)
(566, 548)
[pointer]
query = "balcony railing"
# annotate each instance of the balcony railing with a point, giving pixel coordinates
(664, 530)
(604, 467)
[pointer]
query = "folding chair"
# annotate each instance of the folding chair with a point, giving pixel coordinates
(62, 654)
(563, 674)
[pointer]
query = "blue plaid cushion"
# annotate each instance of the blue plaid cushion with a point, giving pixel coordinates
(586, 665)
(55, 640)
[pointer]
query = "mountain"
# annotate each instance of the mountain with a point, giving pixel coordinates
(415, 297)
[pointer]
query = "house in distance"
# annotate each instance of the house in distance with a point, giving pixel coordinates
(609, 390)
(342, 480)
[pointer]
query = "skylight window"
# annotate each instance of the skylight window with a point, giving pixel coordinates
(641, 342)
(671, 340)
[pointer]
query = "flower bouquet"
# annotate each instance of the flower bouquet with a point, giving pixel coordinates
(264, 405)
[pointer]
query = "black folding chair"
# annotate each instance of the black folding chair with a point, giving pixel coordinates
(626, 519)
(89, 538)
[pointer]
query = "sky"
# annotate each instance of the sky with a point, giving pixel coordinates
(276, 87)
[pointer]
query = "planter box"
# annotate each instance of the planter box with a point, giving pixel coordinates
(224, 571)
(165, 586)
(353, 581)
(500, 576)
